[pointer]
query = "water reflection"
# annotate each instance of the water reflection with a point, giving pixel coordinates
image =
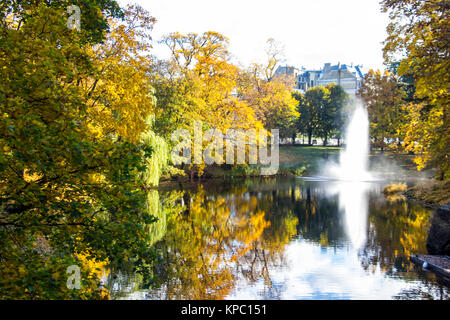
(314, 272)
(286, 239)
(353, 204)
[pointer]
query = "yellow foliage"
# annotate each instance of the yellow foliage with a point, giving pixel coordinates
(120, 95)
(29, 176)
(395, 188)
(95, 269)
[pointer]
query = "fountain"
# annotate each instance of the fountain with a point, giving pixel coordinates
(352, 174)
(349, 178)
(354, 160)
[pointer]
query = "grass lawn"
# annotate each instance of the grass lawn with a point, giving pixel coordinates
(294, 161)
(295, 157)
(307, 161)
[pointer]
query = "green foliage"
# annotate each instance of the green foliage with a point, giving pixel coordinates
(307, 122)
(68, 192)
(331, 116)
(383, 97)
(94, 14)
(159, 160)
(158, 229)
(321, 110)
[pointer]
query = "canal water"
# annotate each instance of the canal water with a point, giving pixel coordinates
(284, 238)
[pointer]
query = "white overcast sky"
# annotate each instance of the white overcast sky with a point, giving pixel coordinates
(312, 31)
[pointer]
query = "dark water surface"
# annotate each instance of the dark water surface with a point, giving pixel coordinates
(285, 238)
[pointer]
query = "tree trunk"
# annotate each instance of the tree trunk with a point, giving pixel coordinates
(441, 175)
(325, 141)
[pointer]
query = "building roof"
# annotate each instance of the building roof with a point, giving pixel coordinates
(330, 72)
(334, 74)
(287, 70)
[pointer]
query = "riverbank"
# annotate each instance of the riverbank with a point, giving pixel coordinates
(434, 193)
(294, 161)
(302, 160)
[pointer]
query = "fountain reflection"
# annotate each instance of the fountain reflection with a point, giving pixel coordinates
(353, 200)
(353, 205)
(352, 172)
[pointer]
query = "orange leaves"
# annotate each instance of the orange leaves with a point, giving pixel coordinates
(199, 83)
(272, 101)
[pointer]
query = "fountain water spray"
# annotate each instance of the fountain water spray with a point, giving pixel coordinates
(354, 160)
(352, 171)
(348, 178)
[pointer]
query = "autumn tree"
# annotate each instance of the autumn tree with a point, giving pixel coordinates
(272, 101)
(119, 95)
(207, 79)
(71, 152)
(383, 98)
(198, 83)
(419, 32)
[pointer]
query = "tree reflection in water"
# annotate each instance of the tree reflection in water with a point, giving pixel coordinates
(214, 239)
(217, 241)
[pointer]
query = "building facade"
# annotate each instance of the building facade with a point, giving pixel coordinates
(348, 76)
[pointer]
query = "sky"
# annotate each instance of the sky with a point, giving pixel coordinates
(310, 271)
(312, 32)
